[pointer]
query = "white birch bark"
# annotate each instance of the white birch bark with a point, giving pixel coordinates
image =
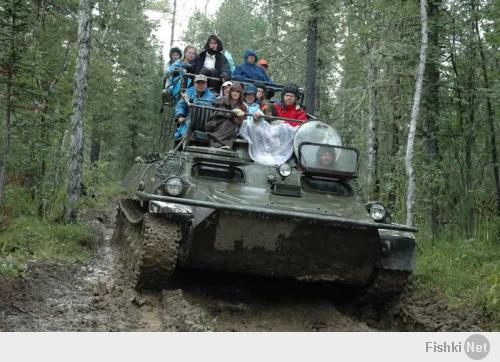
(75, 167)
(410, 172)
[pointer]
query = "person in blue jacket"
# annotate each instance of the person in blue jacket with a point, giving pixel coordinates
(174, 73)
(249, 70)
(249, 100)
(198, 94)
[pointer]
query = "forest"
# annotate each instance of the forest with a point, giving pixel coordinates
(358, 62)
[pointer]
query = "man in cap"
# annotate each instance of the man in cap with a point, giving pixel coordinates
(197, 94)
(265, 66)
(289, 106)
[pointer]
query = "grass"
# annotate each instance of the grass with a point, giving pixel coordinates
(24, 236)
(29, 238)
(464, 271)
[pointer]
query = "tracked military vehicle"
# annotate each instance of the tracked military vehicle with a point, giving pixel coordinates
(244, 211)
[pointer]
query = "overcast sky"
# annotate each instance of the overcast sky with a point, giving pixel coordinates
(184, 9)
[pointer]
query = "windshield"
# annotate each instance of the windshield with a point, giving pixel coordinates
(269, 145)
(329, 159)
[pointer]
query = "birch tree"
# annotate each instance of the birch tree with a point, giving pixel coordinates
(410, 172)
(75, 168)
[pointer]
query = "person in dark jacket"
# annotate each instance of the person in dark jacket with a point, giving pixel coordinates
(212, 62)
(249, 70)
(222, 127)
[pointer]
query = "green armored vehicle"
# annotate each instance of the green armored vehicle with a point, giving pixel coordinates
(242, 210)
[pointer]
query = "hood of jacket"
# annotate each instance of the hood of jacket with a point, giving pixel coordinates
(220, 47)
(249, 52)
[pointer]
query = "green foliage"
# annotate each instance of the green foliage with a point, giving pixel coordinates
(30, 238)
(464, 271)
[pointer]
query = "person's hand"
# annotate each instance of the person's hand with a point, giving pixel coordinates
(185, 97)
(238, 112)
(181, 120)
(256, 116)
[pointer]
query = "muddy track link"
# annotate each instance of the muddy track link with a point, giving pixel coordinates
(151, 249)
(386, 286)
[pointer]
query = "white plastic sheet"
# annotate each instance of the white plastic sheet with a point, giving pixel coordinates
(269, 145)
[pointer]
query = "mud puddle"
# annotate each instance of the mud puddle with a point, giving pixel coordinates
(95, 296)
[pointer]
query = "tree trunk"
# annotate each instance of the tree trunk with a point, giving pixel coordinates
(490, 114)
(172, 29)
(75, 167)
(410, 172)
(319, 86)
(11, 63)
(311, 57)
(469, 127)
(372, 146)
(6, 137)
(431, 112)
(95, 145)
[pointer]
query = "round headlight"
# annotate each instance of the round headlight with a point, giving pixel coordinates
(377, 212)
(174, 186)
(285, 169)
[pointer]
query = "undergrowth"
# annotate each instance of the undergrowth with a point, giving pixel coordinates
(25, 236)
(29, 238)
(464, 271)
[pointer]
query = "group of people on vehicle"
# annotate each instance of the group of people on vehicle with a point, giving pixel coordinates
(242, 94)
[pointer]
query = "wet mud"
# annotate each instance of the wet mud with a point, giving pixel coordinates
(96, 296)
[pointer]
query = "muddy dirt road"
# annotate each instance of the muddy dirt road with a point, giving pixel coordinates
(95, 296)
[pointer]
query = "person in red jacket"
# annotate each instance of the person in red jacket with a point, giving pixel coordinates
(289, 108)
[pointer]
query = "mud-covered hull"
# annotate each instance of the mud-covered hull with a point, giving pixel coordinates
(282, 247)
(279, 245)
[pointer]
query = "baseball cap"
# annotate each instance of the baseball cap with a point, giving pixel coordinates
(200, 78)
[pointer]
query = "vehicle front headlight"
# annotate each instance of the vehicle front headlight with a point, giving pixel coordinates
(285, 170)
(174, 186)
(377, 212)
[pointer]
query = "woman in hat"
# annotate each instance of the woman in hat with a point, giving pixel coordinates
(224, 90)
